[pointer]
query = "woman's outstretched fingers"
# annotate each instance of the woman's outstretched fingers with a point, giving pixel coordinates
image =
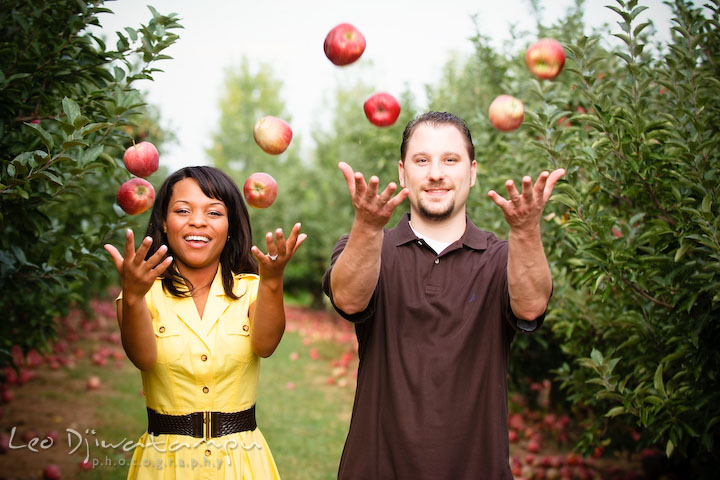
(115, 256)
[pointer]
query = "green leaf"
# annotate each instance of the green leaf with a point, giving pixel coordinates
(707, 204)
(682, 251)
(669, 448)
(615, 411)
(71, 109)
(658, 380)
(597, 356)
(564, 199)
(91, 154)
(81, 121)
(93, 127)
(73, 143)
(119, 74)
(44, 135)
(54, 178)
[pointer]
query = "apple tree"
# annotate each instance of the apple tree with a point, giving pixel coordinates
(68, 109)
(641, 234)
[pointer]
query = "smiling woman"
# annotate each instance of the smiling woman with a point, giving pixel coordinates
(199, 305)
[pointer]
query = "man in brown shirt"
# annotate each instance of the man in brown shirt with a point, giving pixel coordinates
(436, 303)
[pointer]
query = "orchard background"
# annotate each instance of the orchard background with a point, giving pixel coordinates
(632, 231)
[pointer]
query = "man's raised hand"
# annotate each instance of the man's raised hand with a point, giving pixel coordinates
(523, 209)
(371, 208)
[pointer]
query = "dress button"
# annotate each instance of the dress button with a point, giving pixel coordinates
(203, 357)
(437, 260)
(419, 243)
(207, 452)
(161, 329)
(246, 328)
(206, 389)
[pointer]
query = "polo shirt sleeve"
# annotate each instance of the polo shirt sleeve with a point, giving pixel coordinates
(358, 317)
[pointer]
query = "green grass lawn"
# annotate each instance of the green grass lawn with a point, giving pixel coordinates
(304, 426)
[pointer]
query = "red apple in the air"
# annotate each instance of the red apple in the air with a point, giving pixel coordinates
(506, 113)
(260, 190)
(142, 159)
(272, 134)
(135, 196)
(51, 472)
(344, 44)
(545, 58)
(382, 109)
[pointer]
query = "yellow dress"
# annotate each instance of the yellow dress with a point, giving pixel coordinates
(203, 365)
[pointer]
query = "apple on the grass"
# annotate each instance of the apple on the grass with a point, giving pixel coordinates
(382, 109)
(135, 196)
(506, 113)
(260, 190)
(272, 134)
(93, 382)
(344, 44)
(141, 159)
(51, 472)
(545, 58)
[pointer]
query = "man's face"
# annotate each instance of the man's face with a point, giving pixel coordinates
(437, 172)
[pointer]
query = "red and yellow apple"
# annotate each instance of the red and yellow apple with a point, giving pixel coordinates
(142, 159)
(260, 190)
(272, 134)
(506, 113)
(135, 196)
(382, 109)
(344, 44)
(545, 58)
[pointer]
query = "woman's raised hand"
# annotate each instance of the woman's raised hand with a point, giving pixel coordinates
(280, 250)
(137, 274)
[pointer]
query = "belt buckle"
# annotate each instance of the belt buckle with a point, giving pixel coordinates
(207, 425)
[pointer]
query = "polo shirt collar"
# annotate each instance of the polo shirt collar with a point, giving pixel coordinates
(472, 238)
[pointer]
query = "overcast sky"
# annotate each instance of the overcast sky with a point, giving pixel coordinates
(408, 42)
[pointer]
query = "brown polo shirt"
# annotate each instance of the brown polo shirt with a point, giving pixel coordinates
(431, 399)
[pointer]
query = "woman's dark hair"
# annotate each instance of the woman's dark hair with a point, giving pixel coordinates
(435, 119)
(235, 257)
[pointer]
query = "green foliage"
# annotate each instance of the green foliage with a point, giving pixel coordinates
(67, 107)
(642, 234)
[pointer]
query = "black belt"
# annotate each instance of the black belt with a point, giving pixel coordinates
(201, 424)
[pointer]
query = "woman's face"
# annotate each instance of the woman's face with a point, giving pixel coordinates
(196, 227)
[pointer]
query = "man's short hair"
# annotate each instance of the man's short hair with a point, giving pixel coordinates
(435, 119)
